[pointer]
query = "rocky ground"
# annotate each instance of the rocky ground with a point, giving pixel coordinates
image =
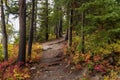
(52, 65)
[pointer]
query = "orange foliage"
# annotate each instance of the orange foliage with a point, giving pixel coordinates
(11, 71)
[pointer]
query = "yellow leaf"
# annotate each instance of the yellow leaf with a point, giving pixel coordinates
(26, 76)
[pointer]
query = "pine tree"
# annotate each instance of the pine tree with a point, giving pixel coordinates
(43, 15)
(22, 25)
(4, 33)
(58, 13)
(31, 33)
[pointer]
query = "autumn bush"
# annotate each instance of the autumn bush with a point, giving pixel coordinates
(1, 55)
(113, 75)
(11, 70)
(101, 58)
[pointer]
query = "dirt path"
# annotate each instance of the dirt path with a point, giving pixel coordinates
(52, 65)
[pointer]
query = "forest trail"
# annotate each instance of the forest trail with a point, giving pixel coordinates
(52, 65)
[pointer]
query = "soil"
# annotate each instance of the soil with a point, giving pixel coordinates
(52, 65)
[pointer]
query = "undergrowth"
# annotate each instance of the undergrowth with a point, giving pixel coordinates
(103, 59)
(11, 70)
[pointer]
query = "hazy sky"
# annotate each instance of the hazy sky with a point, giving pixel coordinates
(15, 22)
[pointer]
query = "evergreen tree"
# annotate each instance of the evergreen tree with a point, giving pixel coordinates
(4, 33)
(31, 33)
(43, 15)
(22, 25)
(58, 19)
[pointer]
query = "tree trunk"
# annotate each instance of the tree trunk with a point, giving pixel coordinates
(66, 36)
(35, 21)
(58, 27)
(70, 28)
(82, 32)
(67, 17)
(56, 31)
(46, 24)
(4, 33)
(60, 23)
(31, 31)
(22, 31)
(7, 8)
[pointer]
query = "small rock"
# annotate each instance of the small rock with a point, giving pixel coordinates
(38, 72)
(33, 68)
(46, 48)
(47, 71)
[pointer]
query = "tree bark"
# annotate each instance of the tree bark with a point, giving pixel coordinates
(4, 33)
(46, 24)
(56, 31)
(35, 21)
(70, 28)
(67, 17)
(8, 8)
(60, 23)
(31, 31)
(22, 31)
(82, 32)
(66, 36)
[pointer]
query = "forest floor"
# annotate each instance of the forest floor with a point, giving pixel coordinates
(52, 65)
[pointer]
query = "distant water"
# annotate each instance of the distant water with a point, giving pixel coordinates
(11, 38)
